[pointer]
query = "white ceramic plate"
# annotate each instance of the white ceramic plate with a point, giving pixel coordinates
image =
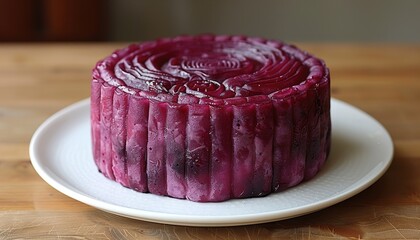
(60, 152)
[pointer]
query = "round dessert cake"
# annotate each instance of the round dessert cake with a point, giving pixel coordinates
(210, 118)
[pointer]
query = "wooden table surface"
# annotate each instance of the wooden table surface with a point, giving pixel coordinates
(37, 80)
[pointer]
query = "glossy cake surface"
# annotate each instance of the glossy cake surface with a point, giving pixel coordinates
(210, 118)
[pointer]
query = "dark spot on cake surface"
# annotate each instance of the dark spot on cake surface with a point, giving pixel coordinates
(178, 164)
(156, 182)
(259, 183)
(195, 164)
(313, 149)
(302, 113)
(119, 149)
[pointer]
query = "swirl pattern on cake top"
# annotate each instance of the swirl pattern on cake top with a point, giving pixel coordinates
(212, 66)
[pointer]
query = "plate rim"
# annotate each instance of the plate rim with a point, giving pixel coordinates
(192, 220)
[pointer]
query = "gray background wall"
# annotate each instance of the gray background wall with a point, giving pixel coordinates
(291, 20)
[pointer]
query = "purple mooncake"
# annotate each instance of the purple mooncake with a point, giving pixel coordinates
(210, 118)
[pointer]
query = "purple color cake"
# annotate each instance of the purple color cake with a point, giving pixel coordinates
(210, 118)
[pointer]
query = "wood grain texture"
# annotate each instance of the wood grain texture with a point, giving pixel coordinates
(37, 80)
